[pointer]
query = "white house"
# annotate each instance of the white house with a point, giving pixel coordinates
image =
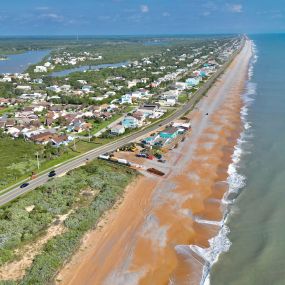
(126, 99)
(40, 69)
(118, 130)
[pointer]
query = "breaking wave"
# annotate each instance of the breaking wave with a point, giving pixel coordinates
(235, 180)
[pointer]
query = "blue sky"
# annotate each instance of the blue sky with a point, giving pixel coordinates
(117, 17)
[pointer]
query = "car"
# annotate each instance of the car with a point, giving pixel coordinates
(52, 174)
(142, 155)
(162, 160)
(24, 185)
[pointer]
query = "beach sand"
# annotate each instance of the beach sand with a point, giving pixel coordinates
(145, 239)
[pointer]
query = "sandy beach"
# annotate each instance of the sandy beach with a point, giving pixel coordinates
(145, 239)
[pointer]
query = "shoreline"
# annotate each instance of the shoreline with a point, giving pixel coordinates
(159, 219)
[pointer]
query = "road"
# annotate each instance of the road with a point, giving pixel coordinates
(81, 160)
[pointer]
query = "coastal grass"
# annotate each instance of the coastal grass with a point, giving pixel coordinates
(19, 227)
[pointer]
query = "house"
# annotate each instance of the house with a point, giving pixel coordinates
(86, 88)
(42, 138)
(83, 82)
(40, 69)
(6, 79)
(191, 82)
(184, 124)
(54, 88)
(58, 140)
(180, 86)
(148, 109)
(118, 130)
(126, 99)
(24, 87)
(10, 123)
(13, 131)
(4, 102)
(130, 122)
(169, 133)
(65, 87)
(38, 81)
(48, 137)
(139, 116)
(47, 64)
(168, 102)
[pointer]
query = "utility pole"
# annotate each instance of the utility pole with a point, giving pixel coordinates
(38, 162)
(74, 145)
(89, 135)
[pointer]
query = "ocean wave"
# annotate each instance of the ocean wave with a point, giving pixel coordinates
(236, 181)
(207, 222)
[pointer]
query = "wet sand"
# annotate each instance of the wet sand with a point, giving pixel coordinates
(146, 239)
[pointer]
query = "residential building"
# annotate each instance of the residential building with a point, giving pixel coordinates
(130, 122)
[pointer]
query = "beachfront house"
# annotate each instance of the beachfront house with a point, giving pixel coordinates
(169, 133)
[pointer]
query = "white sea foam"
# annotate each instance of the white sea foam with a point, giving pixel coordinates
(208, 222)
(235, 180)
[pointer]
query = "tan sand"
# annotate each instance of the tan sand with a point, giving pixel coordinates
(147, 238)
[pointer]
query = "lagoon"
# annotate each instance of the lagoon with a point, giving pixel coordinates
(18, 63)
(87, 67)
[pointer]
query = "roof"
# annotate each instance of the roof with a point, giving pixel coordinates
(170, 130)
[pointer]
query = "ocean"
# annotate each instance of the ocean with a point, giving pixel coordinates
(254, 231)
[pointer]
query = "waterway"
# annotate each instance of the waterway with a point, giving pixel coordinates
(18, 63)
(87, 67)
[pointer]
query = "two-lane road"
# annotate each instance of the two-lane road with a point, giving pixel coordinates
(81, 160)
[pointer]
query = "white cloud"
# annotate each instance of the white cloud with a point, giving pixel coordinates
(52, 16)
(165, 14)
(235, 8)
(104, 18)
(144, 8)
(42, 8)
(206, 14)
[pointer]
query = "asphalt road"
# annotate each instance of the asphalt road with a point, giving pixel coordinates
(81, 160)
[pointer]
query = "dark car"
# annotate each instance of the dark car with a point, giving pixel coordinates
(24, 185)
(162, 160)
(52, 174)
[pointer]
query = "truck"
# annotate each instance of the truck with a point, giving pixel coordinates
(155, 171)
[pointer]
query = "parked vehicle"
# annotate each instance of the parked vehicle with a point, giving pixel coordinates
(162, 160)
(142, 155)
(155, 171)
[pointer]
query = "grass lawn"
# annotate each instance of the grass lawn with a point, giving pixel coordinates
(17, 159)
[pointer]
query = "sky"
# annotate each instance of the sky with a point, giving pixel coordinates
(133, 17)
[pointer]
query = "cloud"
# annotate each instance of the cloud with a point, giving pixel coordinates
(165, 14)
(52, 16)
(206, 13)
(235, 8)
(42, 8)
(144, 8)
(104, 18)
